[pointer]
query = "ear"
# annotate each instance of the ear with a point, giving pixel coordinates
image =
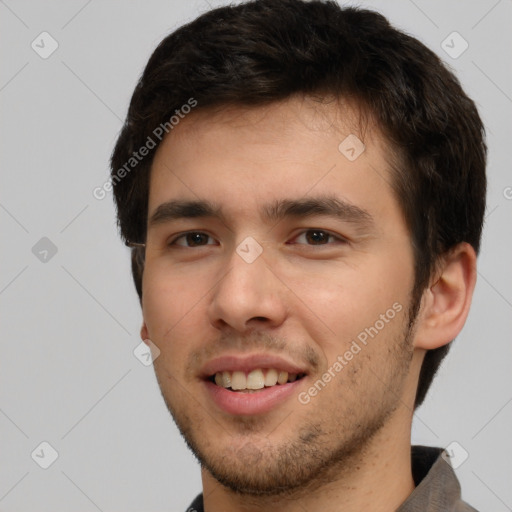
(445, 303)
(144, 333)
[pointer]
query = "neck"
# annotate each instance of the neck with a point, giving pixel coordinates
(378, 479)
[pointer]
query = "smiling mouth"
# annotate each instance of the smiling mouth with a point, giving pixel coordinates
(253, 381)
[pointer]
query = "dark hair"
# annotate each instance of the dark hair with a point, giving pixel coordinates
(263, 51)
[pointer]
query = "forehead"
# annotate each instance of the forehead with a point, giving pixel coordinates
(298, 114)
(243, 157)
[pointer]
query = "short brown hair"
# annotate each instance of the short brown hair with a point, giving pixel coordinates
(264, 51)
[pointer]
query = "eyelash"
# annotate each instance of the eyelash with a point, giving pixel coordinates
(328, 233)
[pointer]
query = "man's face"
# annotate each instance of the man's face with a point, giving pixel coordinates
(302, 263)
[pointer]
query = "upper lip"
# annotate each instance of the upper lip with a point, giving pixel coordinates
(231, 363)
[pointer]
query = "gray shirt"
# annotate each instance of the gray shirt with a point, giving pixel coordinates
(437, 488)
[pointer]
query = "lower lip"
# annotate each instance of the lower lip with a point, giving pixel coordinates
(258, 402)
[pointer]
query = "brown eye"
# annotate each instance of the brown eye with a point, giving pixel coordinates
(192, 239)
(317, 237)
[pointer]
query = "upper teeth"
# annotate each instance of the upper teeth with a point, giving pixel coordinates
(255, 379)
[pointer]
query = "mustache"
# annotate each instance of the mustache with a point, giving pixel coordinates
(255, 341)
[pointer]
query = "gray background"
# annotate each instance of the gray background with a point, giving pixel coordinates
(70, 320)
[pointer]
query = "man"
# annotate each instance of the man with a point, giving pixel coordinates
(303, 187)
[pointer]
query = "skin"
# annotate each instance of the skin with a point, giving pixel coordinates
(349, 447)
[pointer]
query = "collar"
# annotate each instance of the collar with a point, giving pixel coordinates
(437, 488)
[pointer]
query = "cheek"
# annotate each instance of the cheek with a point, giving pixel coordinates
(172, 312)
(171, 302)
(336, 303)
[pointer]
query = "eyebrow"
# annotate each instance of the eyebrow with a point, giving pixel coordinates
(329, 206)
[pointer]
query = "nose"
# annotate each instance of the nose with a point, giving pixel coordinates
(250, 295)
